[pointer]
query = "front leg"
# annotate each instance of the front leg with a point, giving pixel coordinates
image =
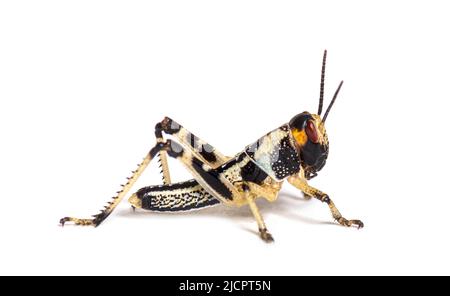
(301, 184)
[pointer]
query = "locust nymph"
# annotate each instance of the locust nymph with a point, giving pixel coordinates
(296, 151)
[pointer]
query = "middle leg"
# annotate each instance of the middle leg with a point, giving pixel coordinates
(263, 232)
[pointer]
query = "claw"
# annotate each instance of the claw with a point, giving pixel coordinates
(349, 223)
(359, 224)
(266, 236)
(63, 221)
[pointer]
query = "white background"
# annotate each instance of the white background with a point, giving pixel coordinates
(82, 84)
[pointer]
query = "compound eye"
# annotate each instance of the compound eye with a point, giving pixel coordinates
(311, 131)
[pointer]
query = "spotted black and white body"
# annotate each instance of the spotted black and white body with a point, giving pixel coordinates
(296, 152)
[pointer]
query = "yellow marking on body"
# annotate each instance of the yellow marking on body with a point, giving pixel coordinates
(300, 136)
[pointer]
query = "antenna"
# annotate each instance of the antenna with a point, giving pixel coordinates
(332, 101)
(322, 82)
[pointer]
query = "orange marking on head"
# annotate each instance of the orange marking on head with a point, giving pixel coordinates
(300, 136)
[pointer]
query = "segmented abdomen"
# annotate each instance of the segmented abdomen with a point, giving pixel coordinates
(175, 197)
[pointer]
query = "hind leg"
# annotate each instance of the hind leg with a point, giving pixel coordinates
(201, 149)
(99, 218)
(209, 178)
(194, 144)
(201, 153)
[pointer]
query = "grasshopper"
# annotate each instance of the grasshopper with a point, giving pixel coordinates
(295, 152)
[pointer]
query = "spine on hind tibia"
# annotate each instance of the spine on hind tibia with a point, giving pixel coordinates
(176, 197)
